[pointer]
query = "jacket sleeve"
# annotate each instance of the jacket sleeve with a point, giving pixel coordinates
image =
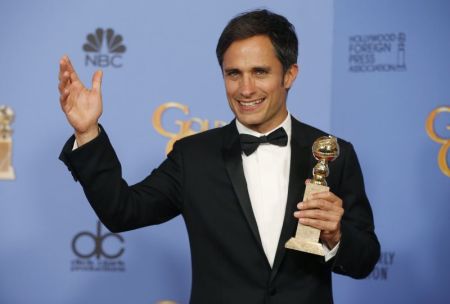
(359, 249)
(119, 206)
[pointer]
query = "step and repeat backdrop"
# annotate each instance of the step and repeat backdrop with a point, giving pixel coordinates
(376, 73)
(391, 98)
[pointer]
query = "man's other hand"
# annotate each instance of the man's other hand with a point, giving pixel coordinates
(82, 106)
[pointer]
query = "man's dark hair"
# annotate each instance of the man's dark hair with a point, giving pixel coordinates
(261, 22)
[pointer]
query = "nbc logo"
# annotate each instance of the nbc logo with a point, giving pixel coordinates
(99, 41)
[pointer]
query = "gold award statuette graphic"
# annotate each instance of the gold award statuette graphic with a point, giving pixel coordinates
(324, 149)
(445, 142)
(6, 118)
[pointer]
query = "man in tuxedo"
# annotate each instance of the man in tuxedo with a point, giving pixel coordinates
(239, 188)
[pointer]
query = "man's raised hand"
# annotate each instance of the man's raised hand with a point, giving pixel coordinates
(82, 106)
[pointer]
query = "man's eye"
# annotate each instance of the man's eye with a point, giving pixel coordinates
(232, 74)
(260, 72)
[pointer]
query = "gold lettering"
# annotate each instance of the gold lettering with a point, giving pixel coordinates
(442, 158)
(185, 126)
(157, 116)
(429, 126)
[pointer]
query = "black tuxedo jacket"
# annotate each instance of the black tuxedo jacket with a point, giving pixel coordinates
(203, 180)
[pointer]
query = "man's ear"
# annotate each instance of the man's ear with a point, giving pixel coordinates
(290, 75)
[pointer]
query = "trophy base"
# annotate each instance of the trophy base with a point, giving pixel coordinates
(8, 174)
(307, 238)
(305, 246)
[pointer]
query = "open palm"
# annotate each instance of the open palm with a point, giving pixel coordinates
(81, 105)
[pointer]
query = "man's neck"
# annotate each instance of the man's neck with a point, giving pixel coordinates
(286, 124)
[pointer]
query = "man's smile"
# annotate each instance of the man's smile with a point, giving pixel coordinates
(250, 104)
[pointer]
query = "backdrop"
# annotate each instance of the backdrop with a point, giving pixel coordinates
(373, 72)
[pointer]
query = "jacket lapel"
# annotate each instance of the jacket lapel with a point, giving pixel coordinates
(233, 163)
(299, 171)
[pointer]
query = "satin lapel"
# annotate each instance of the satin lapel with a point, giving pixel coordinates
(233, 163)
(299, 172)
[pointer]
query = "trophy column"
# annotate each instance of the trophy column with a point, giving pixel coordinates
(324, 149)
(6, 118)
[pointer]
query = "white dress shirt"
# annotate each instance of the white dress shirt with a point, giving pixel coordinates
(267, 175)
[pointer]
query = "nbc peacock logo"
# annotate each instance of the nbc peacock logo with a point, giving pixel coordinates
(104, 48)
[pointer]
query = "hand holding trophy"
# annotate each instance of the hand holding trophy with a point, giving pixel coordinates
(324, 149)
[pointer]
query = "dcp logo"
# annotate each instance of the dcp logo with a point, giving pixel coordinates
(97, 249)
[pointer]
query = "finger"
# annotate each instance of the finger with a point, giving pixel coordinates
(63, 96)
(97, 81)
(320, 224)
(317, 204)
(325, 195)
(74, 77)
(61, 88)
(67, 66)
(307, 181)
(319, 215)
(332, 211)
(329, 196)
(63, 101)
(62, 68)
(64, 82)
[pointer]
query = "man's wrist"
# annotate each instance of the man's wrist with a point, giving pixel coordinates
(333, 241)
(85, 137)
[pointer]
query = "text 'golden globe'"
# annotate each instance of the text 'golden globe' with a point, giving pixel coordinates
(184, 126)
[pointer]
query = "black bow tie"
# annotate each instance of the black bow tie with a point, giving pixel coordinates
(250, 143)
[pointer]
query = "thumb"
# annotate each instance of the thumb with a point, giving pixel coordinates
(97, 81)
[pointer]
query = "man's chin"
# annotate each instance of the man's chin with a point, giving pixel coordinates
(249, 122)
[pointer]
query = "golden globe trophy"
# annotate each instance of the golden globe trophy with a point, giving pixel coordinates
(324, 149)
(6, 118)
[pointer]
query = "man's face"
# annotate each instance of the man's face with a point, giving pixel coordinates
(255, 84)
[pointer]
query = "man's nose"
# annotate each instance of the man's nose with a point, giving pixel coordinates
(247, 86)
